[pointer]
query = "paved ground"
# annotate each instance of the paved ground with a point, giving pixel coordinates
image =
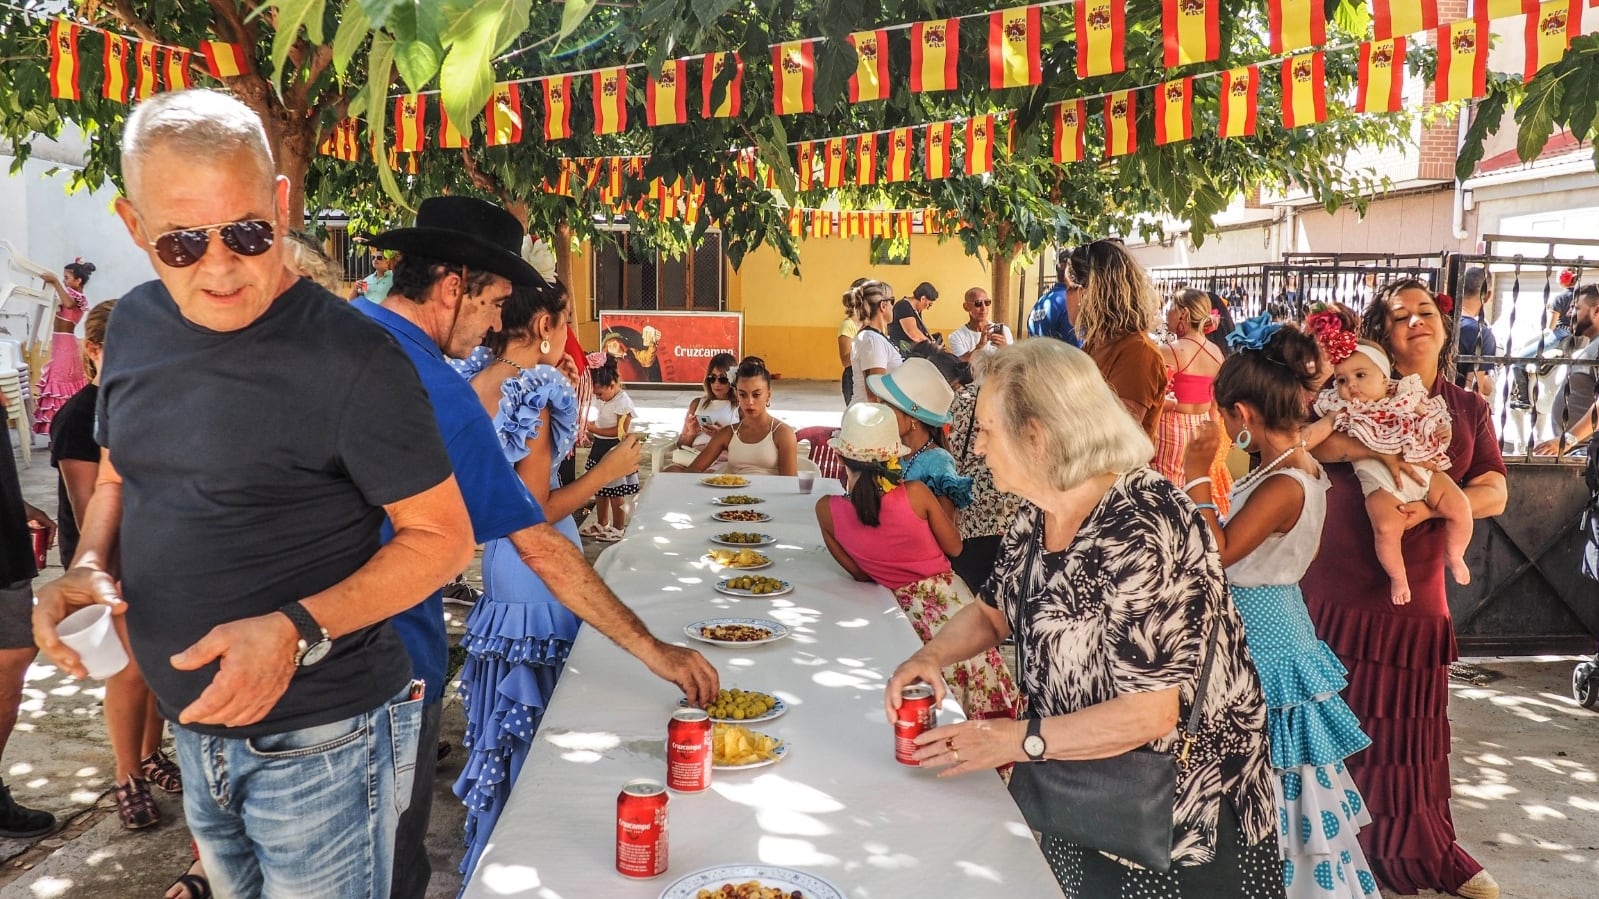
(1526, 763)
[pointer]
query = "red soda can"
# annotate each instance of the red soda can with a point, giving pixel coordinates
(688, 751)
(641, 829)
(41, 546)
(916, 714)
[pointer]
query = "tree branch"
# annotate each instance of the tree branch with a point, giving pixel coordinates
(123, 12)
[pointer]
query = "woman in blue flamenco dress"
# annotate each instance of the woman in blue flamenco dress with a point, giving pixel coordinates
(518, 634)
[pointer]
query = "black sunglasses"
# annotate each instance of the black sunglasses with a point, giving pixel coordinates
(717, 379)
(186, 246)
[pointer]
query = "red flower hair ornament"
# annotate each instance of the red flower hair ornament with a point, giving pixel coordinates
(1328, 329)
(1444, 302)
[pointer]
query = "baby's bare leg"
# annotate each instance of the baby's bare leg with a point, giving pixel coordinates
(1388, 526)
(1446, 498)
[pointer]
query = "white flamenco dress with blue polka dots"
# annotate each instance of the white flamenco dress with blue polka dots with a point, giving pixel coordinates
(1311, 730)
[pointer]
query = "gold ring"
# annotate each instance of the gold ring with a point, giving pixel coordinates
(956, 755)
(949, 743)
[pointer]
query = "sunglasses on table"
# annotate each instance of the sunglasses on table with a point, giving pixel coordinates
(186, 246)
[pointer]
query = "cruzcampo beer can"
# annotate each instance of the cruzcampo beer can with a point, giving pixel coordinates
(916, 714)
(641, 829)
(688, 751)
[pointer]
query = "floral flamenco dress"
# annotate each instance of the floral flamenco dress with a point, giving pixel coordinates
(518, 634)
(1310, 729)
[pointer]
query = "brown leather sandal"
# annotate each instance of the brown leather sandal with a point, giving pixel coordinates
(163, 772)
(135, 805)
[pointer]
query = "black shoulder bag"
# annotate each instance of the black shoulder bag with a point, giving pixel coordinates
(1122, 805)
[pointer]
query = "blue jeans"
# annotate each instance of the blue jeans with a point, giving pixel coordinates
(305, 814)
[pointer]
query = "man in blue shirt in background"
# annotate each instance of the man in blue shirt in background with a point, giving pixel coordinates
(1052, 314)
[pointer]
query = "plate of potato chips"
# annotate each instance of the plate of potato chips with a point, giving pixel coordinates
(735, 747)
(725, 480)
(744, 559)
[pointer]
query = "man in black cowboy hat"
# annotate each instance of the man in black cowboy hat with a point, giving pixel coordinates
(457, 266)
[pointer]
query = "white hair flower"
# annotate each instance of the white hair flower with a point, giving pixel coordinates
(538, 254)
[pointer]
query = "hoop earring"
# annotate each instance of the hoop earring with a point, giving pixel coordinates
(544, 347)
(1244, 439)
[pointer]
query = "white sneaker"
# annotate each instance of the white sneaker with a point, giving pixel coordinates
(1481, 886)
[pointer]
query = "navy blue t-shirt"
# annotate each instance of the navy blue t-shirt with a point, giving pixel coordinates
(495, 498)
(1050, 317)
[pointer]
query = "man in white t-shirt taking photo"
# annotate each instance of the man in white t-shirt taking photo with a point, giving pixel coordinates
(979, 334)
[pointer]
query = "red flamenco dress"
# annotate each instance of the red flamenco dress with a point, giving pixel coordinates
(1398, 659)
(63, 374)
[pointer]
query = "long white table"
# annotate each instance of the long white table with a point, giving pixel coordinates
(839, 806)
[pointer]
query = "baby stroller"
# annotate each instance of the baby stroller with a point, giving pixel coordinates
(1585, 679)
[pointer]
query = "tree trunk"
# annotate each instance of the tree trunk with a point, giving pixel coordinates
(1000, 287)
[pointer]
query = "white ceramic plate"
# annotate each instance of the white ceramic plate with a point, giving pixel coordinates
(722, 587)
(779, 631)
(720, 501)
(778, 710)
(778, 754)
(733, 481)
(766, 540)
(757, 518)
(771, 876)
(766, 564)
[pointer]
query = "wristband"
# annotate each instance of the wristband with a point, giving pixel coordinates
(1195, 483)
(1211, 506)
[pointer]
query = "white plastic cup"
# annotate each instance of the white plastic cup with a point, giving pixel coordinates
(807, 480)
(89, 633)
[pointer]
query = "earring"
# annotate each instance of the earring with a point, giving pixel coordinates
(544, 347)
(1244, 439)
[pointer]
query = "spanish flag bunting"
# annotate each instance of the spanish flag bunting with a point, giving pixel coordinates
(222, 59)
(1013, 47)
(1549, 33)
(1304, 80)
(938, 139)
(410, 114)
(1174, 111)
(64, 60)
(328, 145)
(1121, 130)
(348, 142)
(611, 190)
(114, 59)
(877, 224)
(903, 220)
(849, 224)
(1240, 90)
(145, 81)
(1069, 119)
(744, 163)
(563, 180)
(821, 223)
(866, 159)
(980, 144)
(666, 95)
(930, 222)
(450, 137)
(731, 100)
(1504, 9)
(870, 81)
(793, 72)
(935, 46)
(796, 221)
(177, 69)
(833, 162)
(1295, 24)
(1191, 30)
(502, 116)
(557, 107)
(1397, 18)
(610, 100)
(805, 165)
(410, 165)
(899, 156)
(1462, 61)
(1100, 25)
(1382, 75)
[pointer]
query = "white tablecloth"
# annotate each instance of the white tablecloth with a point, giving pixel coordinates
(839, 806)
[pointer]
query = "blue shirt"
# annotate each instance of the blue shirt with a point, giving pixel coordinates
(1050, 317)
(495, 498)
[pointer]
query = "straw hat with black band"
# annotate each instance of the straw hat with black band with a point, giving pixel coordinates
(466, 231)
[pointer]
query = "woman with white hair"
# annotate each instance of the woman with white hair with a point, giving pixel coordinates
(1110, 583)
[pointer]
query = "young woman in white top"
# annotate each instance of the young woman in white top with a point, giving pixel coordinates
(709, 414)
(871, 353)
(759, 444)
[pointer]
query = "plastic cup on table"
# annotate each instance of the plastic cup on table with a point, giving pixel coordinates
(89, 633)
(807, 480)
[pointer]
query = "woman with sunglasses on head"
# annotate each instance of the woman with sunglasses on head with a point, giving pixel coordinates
(709, 414)
(1117, 312)
(872, 353)
(759, 443)
(63, 374)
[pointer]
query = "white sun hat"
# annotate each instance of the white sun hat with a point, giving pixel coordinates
(918, 389)
(870, 433)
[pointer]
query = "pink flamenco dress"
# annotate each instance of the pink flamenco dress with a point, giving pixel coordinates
(518, 634)
(63, 374)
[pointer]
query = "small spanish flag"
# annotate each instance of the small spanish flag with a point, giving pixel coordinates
(1304, 80)
(610, 100)
(1382, 76)
(146, 82)
(1240, 89)
(407, 166)
(611, 190)
(666, 95)
(410, 114)
(1013, 47)
(64, 60)
(938, 152)
(866, 159)
(805, 165)
(793, 70)
(1069, 119)
(1192, 31)
(1174, 111)
(899, 156)
(744, 163)
(980, 144)
(833, 162)
(732, 92)
(222, 59)
(821, 223)
(870, 81)
(796, 221)
(1462, 61)
(177, 69)
(850, 224)
(450, 137)
(557, 107)
(1100, 26)
(1295, 24)
(1121, 128)
(1549, 33)
(502, 117)
(935, 46)
(1504, 9)
(563, 180)
(348, 141)
(1397, 18)
(114, 60)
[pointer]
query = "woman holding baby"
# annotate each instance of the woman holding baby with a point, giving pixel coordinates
(1398, 655)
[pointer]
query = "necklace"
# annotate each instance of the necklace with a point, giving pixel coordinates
(918, 451)
(519, 369)
(1254, 477)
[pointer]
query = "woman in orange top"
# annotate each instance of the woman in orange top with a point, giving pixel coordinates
(1118, 308)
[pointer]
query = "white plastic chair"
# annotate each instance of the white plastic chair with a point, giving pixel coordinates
(16, 412)
(27, 312)
(803, 463)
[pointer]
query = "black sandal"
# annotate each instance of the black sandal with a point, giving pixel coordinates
(196, 885)
(163, 772)
(135, 805)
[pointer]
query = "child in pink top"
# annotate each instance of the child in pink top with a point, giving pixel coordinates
(895, 533)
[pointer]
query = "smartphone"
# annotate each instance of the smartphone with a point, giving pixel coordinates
(996, 329)
(705, 420)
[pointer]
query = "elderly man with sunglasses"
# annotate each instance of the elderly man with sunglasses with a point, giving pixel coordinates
(980, 334)
(258, 432)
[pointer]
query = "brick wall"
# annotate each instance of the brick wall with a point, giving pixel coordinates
(1436, 149)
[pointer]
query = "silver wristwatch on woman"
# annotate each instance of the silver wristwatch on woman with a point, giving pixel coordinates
(1033, 743)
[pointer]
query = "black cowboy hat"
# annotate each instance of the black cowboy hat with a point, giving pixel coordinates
(466, 231)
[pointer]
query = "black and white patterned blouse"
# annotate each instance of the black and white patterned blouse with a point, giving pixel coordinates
(991, 510)
(1127, 608)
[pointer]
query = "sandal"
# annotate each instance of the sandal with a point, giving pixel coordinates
(163, 772)
(193, 884)
(135, 805)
